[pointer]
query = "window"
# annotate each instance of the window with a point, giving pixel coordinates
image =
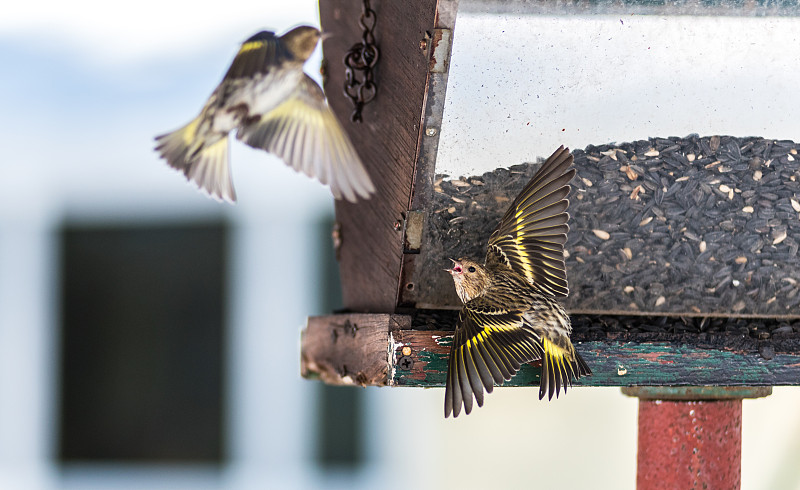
(142, 332)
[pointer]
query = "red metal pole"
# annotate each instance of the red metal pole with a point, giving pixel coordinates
(690, 437)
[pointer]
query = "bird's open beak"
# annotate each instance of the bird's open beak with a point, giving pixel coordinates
(456, 266)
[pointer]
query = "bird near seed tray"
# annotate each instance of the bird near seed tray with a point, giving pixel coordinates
(510, 314)
(267, 97)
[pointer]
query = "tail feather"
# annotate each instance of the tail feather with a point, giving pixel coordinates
(202, 161)
(560, 365)
(211, 173)
(583, 368)
(180, 146)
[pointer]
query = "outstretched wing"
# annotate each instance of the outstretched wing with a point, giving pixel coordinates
(531, 236)
(489, 346)
(305, 134)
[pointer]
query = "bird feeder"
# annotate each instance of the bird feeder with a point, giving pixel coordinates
(682, 257)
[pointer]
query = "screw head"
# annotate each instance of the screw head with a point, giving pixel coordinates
(405, 363)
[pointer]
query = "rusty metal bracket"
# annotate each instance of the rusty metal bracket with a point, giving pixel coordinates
(412, 232)
(436, 47)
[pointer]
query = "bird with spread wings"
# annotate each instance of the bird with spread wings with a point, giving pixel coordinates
(510, 314)
(274, 106)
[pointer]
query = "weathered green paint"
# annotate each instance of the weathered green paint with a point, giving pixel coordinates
(352, 348)
(694, 393)
(632, 364)
(434, 368)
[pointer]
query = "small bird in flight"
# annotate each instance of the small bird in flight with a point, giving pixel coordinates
(510, 315)
(271, 102)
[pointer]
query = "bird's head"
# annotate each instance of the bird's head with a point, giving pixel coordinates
(302, 41)
(471, 278)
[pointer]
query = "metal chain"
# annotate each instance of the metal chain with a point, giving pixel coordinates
(362, 57)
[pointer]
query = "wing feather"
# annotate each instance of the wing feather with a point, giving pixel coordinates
(472, 375)
(466, 389)
(489, 346)
(452, 395)
(531, 236)
(491, 362)
(305, 134)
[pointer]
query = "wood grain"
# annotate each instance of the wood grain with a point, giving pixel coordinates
(386, 140)
(347, 349)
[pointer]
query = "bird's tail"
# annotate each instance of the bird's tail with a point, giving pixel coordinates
(560, 364)
(202, 161)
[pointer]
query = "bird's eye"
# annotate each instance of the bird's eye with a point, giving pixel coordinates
(471, 269)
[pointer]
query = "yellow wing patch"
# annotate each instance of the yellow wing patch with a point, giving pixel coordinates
(251, 46)
(190, 131)
(559, 367)
(531, 235)
(523, 255)
(554, 352)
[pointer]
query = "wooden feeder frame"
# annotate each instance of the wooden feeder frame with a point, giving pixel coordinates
(382, 338)
(380, 240)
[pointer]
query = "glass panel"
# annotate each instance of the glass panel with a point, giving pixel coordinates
(526, 78)
(681, 119)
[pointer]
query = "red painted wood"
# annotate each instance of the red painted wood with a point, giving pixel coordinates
(689, 444)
